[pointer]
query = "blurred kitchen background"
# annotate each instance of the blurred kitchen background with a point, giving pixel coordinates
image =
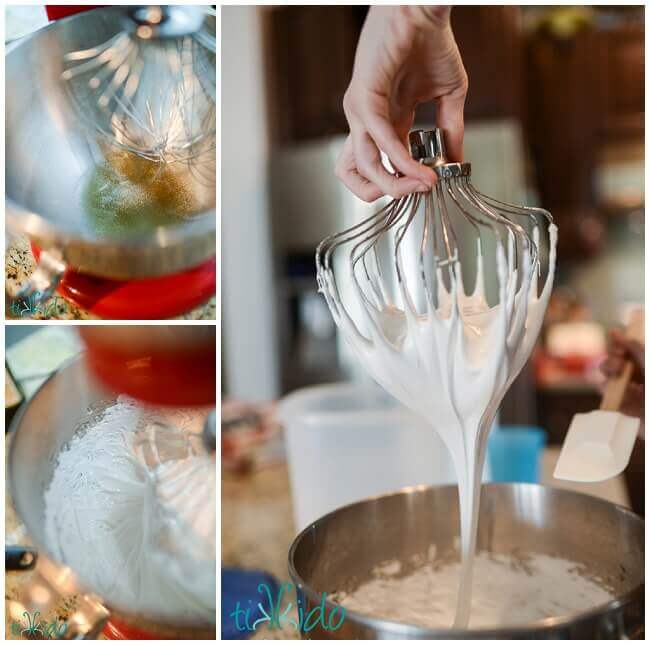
(554, 117)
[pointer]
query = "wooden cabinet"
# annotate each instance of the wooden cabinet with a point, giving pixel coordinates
(312, 50)
(564, 103)
(490, 40)
(589, 83)
(584, 92)
(622, 56)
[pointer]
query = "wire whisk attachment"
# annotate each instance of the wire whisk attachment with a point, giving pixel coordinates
(151, 88)
(437, 294)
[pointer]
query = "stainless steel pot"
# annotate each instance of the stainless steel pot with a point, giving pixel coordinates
(40, 429)
(49, 154)
(339, 551)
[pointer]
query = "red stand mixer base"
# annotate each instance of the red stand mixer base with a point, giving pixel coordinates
(117, 631)
(150, 298)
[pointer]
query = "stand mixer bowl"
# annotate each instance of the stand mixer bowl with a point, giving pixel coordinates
(42, 427)
(339, 551)
(50, 155)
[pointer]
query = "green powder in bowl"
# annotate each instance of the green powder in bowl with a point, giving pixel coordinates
(128, 195)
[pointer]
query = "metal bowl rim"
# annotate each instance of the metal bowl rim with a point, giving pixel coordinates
(38, 226)
(405, 629)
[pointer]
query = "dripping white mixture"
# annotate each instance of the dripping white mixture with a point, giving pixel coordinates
(127, 524)
(453, 365)
(507, 591)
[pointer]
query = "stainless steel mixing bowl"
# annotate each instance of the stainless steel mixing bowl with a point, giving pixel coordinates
(40, 429)
(50, 153)
(340, 550)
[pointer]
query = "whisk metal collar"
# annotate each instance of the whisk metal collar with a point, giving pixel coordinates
(428, 147)
(449, 170)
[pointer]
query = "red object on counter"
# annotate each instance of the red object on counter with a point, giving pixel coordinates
(57, 11)
(149, 298)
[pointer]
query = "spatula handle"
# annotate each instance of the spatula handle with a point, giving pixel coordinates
(615, 388)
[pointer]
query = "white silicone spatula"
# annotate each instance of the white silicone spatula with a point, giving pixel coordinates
(598, 444)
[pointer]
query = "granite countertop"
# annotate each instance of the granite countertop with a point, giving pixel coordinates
(257, 528)
(257, 522)
(19, 265)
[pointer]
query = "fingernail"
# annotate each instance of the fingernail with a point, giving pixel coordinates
(422, 188)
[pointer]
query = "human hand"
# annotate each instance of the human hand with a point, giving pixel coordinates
(623, 349)
(406, 55)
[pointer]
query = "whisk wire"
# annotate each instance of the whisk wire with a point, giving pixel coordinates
(360, 250)
(154, 97)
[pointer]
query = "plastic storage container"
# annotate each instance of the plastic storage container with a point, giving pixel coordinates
(346, 442)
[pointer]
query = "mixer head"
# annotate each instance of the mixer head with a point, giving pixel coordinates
(421, 251)
(150, 89)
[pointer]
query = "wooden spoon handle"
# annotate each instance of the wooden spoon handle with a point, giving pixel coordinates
(615, 389)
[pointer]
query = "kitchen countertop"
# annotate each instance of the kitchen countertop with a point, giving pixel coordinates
(257, 529)
(19, 265)
(257, 522)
